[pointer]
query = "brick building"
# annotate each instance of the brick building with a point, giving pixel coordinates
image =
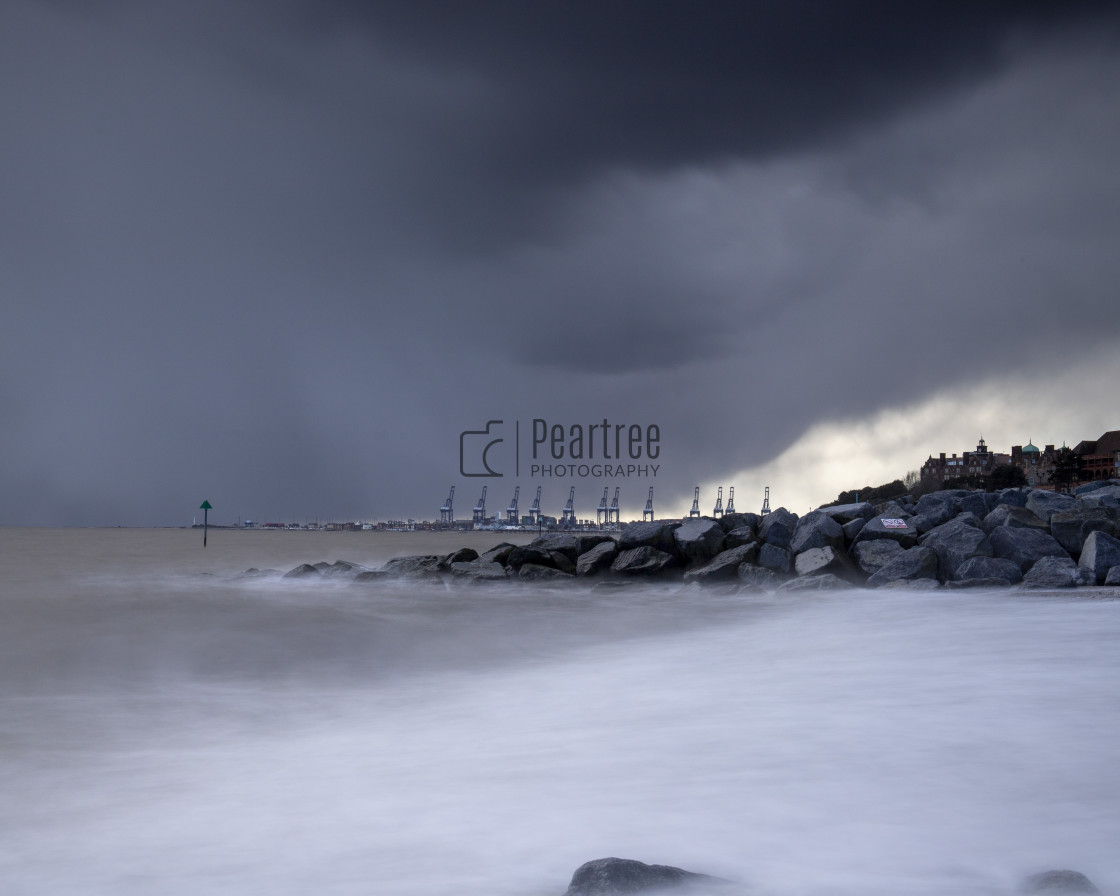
(1101, 456)
(971, 463)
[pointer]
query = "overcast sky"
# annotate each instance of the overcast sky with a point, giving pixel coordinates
(279, 255)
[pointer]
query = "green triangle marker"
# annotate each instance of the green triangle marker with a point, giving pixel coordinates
(205, 508)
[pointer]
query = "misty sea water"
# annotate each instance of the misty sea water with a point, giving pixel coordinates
(169, 727)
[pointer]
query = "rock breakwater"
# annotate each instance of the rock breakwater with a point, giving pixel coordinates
(955, 539)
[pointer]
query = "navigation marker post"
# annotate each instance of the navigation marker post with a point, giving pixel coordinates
(205, 508)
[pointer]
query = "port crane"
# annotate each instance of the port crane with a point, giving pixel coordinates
(568, 518)
(647, 514)
(613, 514)
(535, 508)
(446, 512)
(602, 512)
(695, 511)
(511, 511)
(730, 500)
(717, 511)
(480, 508)
(766, 502)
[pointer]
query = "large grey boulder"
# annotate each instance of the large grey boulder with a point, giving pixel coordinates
(535, 572)
(846, 513)
(724, 565)
(894, 509)
(463, 555)
(827, 560)
(479, 571)
(758, 578)
(1072, 527)
(912, 563)
(852, 529)
(954, 542)
(643, 561)
(816, 530)
(933, 513)
(418, 566)
(698, 541)
(571, 545)
(892, 528)
(741, 535)
(946, 502)
(498, 554)
(563, 543)
(777, 527)
(731, 521)
(598, 559)
(772, 557)
(341, 569)
(303, 571)
(1089, 487)
(1024, 546)
(1056, 572)
(654, 535)
(1058, 883)
(976, 503)
(1015, 497)
(978, 568)
(871, 556)
(617, 877)
(1011, 515)
(1100, 553)
(529, 553)
(561, 562)
(1100, 499)
(1044, 504)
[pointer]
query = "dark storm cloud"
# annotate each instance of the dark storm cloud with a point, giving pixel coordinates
(279, 255)
(580, 87)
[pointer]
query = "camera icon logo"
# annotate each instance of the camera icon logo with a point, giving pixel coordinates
(475, 443)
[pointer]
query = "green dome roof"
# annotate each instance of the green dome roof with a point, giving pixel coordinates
(1030, 449)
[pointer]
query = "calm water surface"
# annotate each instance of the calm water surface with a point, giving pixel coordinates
(167, 727)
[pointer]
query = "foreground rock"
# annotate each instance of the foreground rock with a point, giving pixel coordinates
(1058, 883)
(828, 561)
(1072, 527)
(643, 561)
(421, 566)
(614, 877)
(1025, 546)
(816, 530)
(910, 564)
(1100, 553)
(725, 565)
(891, 528)
(654, 535)
(955, 542)
(976, 569)
(698, 541)
(598, 559)
(1056, 572)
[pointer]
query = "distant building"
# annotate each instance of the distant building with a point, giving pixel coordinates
(1101, 456)
(1036, 465)
(980, 462)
